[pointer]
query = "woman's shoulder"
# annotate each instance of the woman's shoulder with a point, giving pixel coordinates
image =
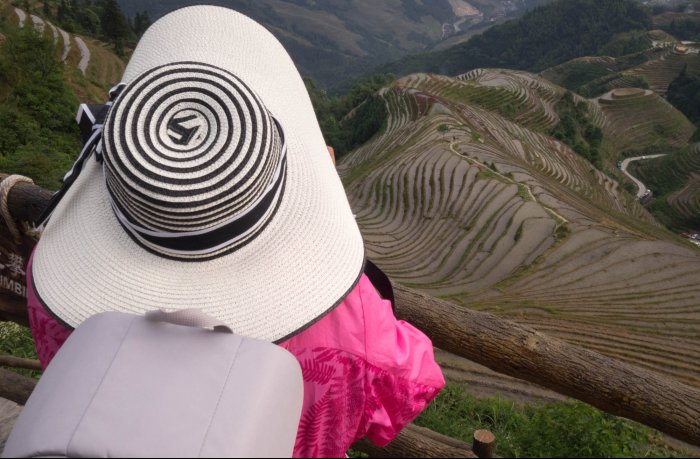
(343, 327)
(364, 324)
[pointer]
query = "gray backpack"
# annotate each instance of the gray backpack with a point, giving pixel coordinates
(165, 385)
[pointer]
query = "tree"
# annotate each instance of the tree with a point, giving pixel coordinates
(142, 21)
(114, 24)
(63, 12)
(684, 94)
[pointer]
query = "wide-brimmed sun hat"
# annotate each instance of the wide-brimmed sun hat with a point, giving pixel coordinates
(212, 188)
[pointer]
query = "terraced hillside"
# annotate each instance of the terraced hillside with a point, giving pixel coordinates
(687, 200)
(92, 68)
(662, 71)
(636, 118)
(519, 96)
(658, 73)
(580, 71)
(458, 200)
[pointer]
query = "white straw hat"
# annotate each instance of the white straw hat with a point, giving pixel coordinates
(213, 190)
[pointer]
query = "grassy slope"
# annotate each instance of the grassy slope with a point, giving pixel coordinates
(40, 137)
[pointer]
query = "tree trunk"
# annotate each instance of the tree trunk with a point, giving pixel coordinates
(17, 362)
(414, 441)
(519, 351)
(14, 387)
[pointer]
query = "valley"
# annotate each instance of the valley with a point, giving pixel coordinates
(352, 38)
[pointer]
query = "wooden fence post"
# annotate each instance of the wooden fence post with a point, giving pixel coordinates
(484, 444)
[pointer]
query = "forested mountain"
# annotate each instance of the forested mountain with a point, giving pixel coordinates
(38, 136)
(544, 37)
(336, 40)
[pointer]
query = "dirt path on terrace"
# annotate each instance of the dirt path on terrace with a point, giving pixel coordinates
(84, 54)
(22, 16)
(551, 211)
(66, 44)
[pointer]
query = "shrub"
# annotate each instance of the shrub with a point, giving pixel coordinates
(17, 341)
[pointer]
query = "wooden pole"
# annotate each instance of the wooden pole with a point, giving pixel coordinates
(414, 441)
(484, 444)
(522, 352)
(17, 362)
(26, 202)
(14, 387)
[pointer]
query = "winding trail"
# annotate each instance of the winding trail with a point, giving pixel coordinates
(548, 209)
(642, 189)
(38, 23)
(22, 17)
(84, 54)
(66, 44)
(54, 32)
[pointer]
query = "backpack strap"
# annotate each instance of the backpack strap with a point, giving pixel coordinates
(188, 318)
(381, 282)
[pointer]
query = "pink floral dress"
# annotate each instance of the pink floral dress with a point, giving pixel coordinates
(365, 372)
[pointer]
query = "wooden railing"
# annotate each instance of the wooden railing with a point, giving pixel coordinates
(501, 345)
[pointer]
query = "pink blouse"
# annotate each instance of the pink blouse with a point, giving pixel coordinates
(365, 372)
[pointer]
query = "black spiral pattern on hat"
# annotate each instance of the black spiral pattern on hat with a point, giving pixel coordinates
(194, 163)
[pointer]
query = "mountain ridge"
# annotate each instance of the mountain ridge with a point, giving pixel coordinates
(334, 41)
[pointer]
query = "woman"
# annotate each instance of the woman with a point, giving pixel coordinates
(209, 186)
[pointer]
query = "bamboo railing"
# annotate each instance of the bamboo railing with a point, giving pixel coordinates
(501, 345)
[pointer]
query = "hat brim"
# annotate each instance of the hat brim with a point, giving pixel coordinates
(299, 268)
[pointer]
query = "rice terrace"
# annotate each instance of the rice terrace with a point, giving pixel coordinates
(464, 197)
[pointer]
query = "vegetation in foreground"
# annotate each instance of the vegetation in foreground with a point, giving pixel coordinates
(38, 135)
(684, 94)
(17, 341)
(350, 120)
(547, 430)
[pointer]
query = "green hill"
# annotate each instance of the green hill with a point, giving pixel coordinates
(547, 36)
(591, 76)
(639, 120)
(45, 73)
